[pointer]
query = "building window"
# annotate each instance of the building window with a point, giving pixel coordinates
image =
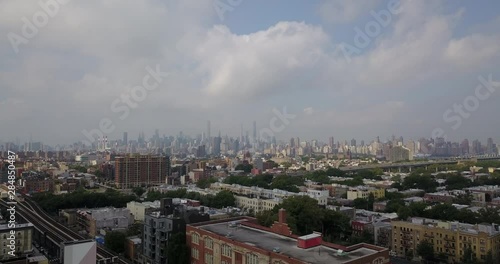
(195, 253)
(195, 239)
(209, 259)
(209, 243)
(226, 251)
(252, 259)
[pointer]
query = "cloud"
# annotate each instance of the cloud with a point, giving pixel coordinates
(339, 11)
(94, 51)
(309, 111)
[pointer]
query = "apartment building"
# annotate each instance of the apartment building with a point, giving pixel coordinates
(139, 210)
(93, 220)
(242, 240)
(262, 195)
(23, 237)
(450, 238)
(256, 204)
(439, 197)
(137, 170)
(171, 218)
(364, 192)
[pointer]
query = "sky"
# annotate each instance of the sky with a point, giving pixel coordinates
(347, 69)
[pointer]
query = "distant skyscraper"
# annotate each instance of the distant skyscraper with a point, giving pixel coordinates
(490, 147)
(125, 138)
(331, 142)
(208, 130)
(254, 131)
(465, 147)
(353, 142)
(217, 141)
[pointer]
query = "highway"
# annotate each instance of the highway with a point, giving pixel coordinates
(55, 231)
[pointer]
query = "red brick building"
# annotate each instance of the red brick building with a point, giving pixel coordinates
(242, 241)
(134, 171)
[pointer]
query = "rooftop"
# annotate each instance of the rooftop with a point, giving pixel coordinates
(287, 246)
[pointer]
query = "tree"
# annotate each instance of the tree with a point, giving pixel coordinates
(425, 249)
(489, 258)
(457, 182)
(223, 198)
(287, 183)
(304, 214)
(425, 182)
(371, 200)
(336, 226)
(177, 249)
(465, 199)
(404, 212)
(409, 254)
(115, 241)
(134, 229)
(205, 182)
(335, 172)
(361, 203)
(469, 256)
(139, 191)
(266, 218)
(244, 167)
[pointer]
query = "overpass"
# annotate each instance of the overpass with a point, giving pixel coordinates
(419, 164)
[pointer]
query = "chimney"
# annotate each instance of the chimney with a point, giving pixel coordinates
(282, 216)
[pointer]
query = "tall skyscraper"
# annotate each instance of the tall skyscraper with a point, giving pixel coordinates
(208, 130)
(216, 145)
(490, 146)
(254, 131)
(125, 138)
(465, 147)
(331, 142)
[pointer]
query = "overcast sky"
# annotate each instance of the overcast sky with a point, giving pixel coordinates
(233, 61)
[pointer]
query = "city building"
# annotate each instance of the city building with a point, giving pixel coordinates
(364, 192)
(399, 153)
(141, 170)
(382, 232)
(450, 238)
(38, 183)
(109, 218)
(439, 197)
(171, 218)
(140, 210)
(242, 240)
(256, 204)
(23, 238)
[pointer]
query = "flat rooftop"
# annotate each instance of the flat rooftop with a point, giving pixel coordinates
(288, 246)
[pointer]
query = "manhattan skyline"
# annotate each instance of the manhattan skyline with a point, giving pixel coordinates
(417, 73)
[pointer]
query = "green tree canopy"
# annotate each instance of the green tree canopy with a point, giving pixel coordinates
(115, 241)
(425, 249)
(177, 249)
